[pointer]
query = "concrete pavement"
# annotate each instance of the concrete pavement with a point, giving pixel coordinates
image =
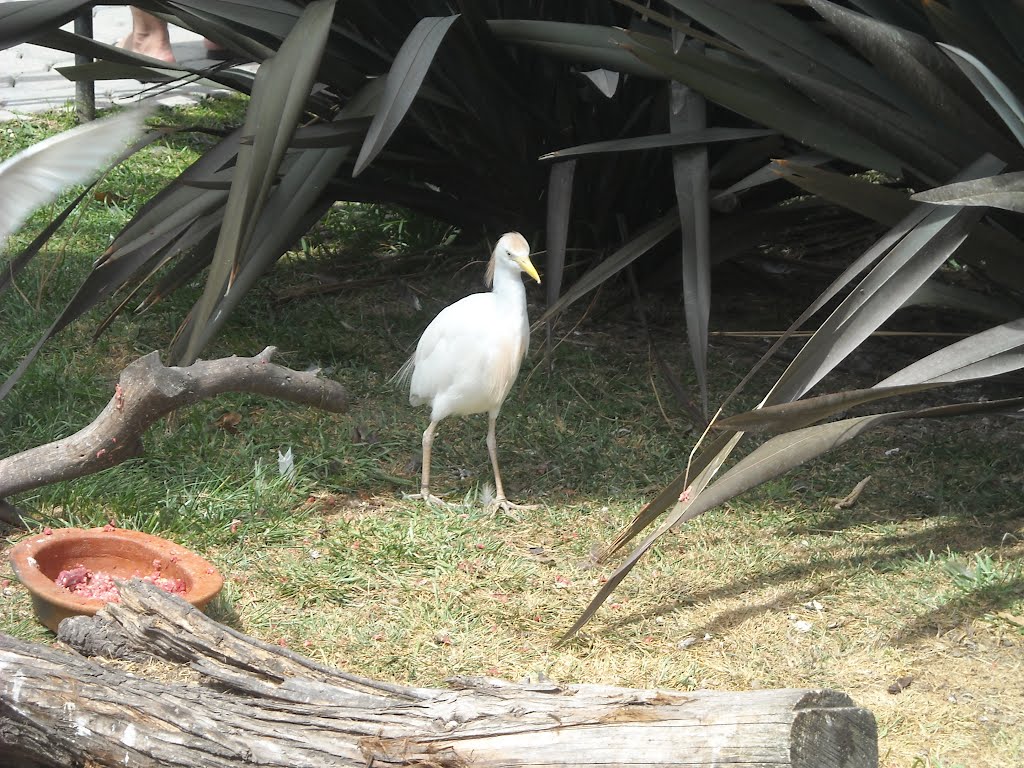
(29, 81)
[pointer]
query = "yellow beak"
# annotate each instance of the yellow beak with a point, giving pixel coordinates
(527, 266)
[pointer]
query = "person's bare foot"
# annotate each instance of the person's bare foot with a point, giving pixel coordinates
(148, 37)
(216, 50)
(147, 46)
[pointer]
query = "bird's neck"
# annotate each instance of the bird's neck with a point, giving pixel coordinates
(508, 286)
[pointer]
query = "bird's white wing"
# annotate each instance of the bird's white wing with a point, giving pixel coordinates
(39, 174)
(465, 326)
(468, 356)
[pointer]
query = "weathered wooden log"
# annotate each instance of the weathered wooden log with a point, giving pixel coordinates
(146, 391)
(269, 706)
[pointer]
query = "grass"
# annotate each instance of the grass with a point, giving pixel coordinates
(922, 578)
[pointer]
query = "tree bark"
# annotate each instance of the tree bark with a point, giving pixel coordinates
(147, 391)
(269, 706)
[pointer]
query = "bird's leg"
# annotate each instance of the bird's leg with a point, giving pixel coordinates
(428, 444)
(492, 449)
(424, 494)
(500, 502)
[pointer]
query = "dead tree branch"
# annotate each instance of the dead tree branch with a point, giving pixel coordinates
(146, 391)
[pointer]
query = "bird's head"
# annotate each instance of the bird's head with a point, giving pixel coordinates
(513, 250)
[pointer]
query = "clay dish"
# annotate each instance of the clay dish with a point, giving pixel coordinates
(38, 560)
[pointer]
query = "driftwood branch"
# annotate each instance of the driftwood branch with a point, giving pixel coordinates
(146, 391)
(271, 707)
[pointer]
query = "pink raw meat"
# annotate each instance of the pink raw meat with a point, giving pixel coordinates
(99, 585)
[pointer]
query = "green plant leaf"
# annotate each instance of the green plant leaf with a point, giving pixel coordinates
(802, 413)
(178, 202)
(274, 17)
(766, 99)
(687, 114)
(769, 460)
(712, 459)
(900, 14)
(115, 63)
(925, 147)
(702, 466)
(1001, 98)
(874, 201)
(769, 173)
(993, 249)
(924, 73)
(557, 231)
(337, 133)
(680, 139)
(989, 353)
(282, 85)
(20, 22)
(14, 266)
(1004, 191)
(589, 45)
(96, 288)
(296, 203)
(882, 246)
(967, 26)
(912, 255)
(1007, 20)
(402, 84)
(912, 250)
(779, 39)
(935, 293)
(884, 290)
(615, 263)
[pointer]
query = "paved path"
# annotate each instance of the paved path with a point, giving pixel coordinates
(30, 83)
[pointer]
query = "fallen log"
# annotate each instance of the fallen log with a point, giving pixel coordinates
(146, 391)
(268, 706)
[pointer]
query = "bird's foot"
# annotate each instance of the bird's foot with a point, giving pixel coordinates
(509, 507)
(427, 497)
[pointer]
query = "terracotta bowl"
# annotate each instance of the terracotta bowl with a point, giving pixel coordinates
(37, 561)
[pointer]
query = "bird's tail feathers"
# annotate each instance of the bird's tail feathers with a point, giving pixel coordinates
(403, 374)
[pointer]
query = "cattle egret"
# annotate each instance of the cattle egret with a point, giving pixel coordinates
(468, 357)
(37, 175)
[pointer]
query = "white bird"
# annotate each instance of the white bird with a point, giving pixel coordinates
(37, 175)
(469, 356)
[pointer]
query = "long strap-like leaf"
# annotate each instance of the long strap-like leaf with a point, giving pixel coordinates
(23, 21)
(623, 257)
(282, 86)
(913, 250)
(770, 33)
(885, 289)
(557, 233)
(687, 112)
(684, 137)
(764, 98)
(402, 84)
(988, 353)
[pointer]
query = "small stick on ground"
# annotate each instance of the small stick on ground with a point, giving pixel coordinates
(851, 498)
